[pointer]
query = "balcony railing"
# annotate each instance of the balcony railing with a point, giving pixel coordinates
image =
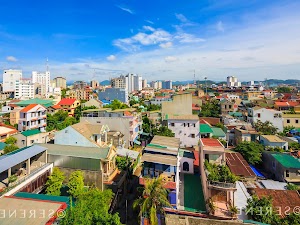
(222, 184)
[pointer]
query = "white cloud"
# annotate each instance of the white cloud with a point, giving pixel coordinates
(168, 44)
(188, 38)
(111, 58)
(11, 59)
(220, 26)
(148, 28)
(181, 18)
(126, 9)
(149, 21)
(170, 59)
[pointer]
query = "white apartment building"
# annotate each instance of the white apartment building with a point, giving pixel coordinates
(263, 114)
(232, 81)
(42, 78)
(131, 82)
(60, 82)
(32, 117)
(186, 128)
(24, 89)
(156, 85)
(9, 79)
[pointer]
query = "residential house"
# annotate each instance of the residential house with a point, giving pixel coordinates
(88, 135)
(14, 115)
(219, 193)
(297, 109)
(245, 133)
(285, 105)
(30, 137)
(291, 120)
(97, 163)
(205, 130)
(127, 121)
(157, 100)
(69, 105)
(273, 141)
(54, 109)
(275, 117)
(269, 94)
(93, 102)
(228, 106)
(6, 131)
(282, 167)
(32, 117)
(186, 128)
(218, 133)
(44, 102)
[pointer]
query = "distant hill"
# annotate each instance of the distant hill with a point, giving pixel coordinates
(105, 82)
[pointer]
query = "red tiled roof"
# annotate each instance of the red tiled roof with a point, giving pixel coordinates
(126, 113)
(67, 101)
(282, 104)
(29, 107)
(196, 161)
(168, 185)
(238, 165)
(286, 200)
(56, 107)
(211, 142)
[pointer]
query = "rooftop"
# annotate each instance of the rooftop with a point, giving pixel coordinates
(183, 117)
(45, 102)
(238, 165)
(218, 132)
(31, 132)
(161, 159)
(5, 129)
(76, 151)
(186, 154)
(286, 160)
(67, 101)
(23, 208)
(205, 128)
(273, 138)
(165, 141)
(211, 142)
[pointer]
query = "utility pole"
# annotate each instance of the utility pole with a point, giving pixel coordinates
(205, 78)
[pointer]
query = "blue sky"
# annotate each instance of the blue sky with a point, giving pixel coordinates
(158, 39)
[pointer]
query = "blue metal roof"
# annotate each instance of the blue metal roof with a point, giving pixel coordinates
(257, 173)
(9, 160)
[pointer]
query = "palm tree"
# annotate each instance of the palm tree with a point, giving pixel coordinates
(153, 199)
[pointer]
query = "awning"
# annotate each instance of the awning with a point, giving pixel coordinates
(137, 142)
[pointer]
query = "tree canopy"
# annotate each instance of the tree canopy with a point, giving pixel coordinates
(11, 140)
(153, 199)
(284, 90)
(91, 209)
(265, 128)
(54, 182)
(210, 109)
(220, 173)
(163, 131)
(76, 184)
(59, 120)
(251, 151)
(10, 148)
(116, 104)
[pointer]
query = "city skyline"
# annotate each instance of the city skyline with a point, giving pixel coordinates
(250, 40)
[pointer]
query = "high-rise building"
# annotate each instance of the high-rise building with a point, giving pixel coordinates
(119, 82)
(24, 89)
(9, 79)
(42, 78)
(137, 83)
(232, 81)
(144, 83)
(94, 84)
(79, 85)
(60, 82)
(167, 84)
(131, 82)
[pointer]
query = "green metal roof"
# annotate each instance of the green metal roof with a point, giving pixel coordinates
(287, 161)
(45, 102)
(43, 197)
(2, 145)
(77, 151)
(31, 132)
(218, 132)
(236, 114)
(205, 128)
(186, 154)
(156, 146)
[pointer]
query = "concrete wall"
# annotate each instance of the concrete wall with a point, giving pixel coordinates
(291, 120)
(275, 117)
(23, 141)
(181, 160)
(181, 105)
(69, 136)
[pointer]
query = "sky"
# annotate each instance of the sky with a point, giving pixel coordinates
(158, 39)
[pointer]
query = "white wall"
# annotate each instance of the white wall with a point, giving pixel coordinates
(274, 116)
(181, 160)
(9, 79)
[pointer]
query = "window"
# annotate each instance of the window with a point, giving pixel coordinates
(258, 115)
(185, 166)
(296, 121)
(188, 125)
(32, 141)
(23, 142)
(192, 135)
(287, 173)
(288, 121)
(184, 124)
(194, 125)
(172, 124)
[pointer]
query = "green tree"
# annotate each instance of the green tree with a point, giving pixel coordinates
(116, 104)
(284, 90)
(12, 179)
(91, 209)
(11, 140)
(265, 128)
(55, 182)
(163, 131)
(10, 148)
(291, 219)
(153, 107)
(291, 186)
(251, 151)
(220, 173)
(76, 184)
(287, 130)
(210, 109)
(153, 199)
(147, 125)
(294, 146)
(261, 209)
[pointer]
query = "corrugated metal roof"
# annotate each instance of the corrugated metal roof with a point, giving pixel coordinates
(124, 152)
(10, 160)
(287, 161)
(77, 151)
(218, 132)
(205, 128)
(31, 132)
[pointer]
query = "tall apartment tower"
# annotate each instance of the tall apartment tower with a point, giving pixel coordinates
(60, 82)
(24, 89)
(94, 84)
(119, 82)
(43, 79)
(9, 79)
